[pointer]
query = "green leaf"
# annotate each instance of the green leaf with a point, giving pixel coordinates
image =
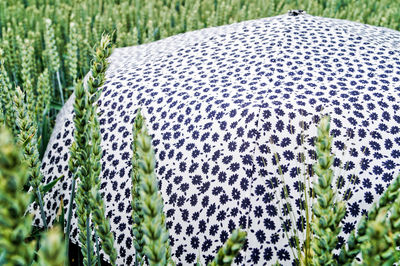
(61, 219)
(45, 133)
(56, 105)
(2, 257)
(47, 187)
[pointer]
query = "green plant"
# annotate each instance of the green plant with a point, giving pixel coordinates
(27, 139)
(85, 160)
(137, 215)
(387, 201)
(51, 55)
(44, 95)
(2, 119)
(15, 226)
(379, 246)
(77, 145)
(97, 80)
(7, 95)
(71, 58)
(327, 212)
(155, 235)
(231, 248)
(52, 248)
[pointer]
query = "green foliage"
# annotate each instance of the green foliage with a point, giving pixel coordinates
(2, 118)
(14, 226)
(378, 245)
(44, 95)
(71, 58)
(52, 248)
(6, 97)
(51, 53)
(27, 63)
(27, 139)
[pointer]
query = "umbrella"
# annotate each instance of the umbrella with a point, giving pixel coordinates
(227, 108)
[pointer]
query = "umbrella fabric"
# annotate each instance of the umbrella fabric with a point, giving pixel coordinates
(219, 104)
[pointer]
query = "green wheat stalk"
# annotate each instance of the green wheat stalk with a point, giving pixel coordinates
(71, 58)
(7, 95)
(395, 230)
(51, 54)
(327, 213)
(80, 168)
(97, 80)
(378, 246)
(27, 61)
(85, 159)
(15, 225)
(227, 253)
(27, 139)
(137, 215)
(2, 118)
(44, 94)
(349, 253)
(155, 234)
(78, 145)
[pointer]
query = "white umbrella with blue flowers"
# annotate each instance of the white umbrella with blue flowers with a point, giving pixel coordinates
(233, 112)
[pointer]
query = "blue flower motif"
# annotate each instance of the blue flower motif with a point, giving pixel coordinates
(354, 209)
(255, 255)
(271, 210)
(274, 238)
(283, 255)
(267, 254)
(348, 227)
(395, 154)
(377, 170)
(389, 165)
(379, 189)
(368, 197)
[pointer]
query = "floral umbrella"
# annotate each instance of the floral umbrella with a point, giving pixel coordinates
(232, 110)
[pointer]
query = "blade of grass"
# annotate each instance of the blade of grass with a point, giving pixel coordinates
(69, 216)
(97, 248)
(39, 196)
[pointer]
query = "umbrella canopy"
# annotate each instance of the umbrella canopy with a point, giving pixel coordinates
(222, 104)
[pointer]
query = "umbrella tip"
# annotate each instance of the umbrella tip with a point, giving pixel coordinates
(296, 12)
